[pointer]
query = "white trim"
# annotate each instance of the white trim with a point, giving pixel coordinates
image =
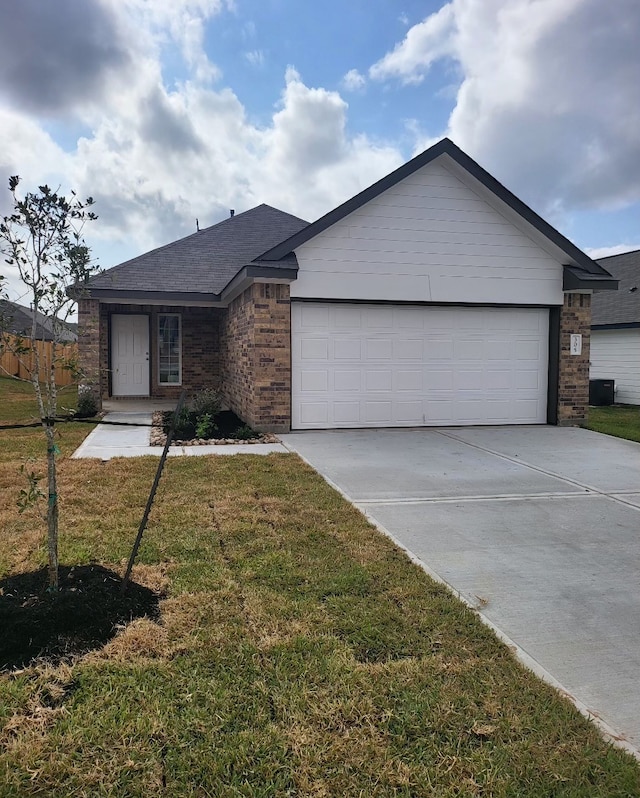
(179, 317)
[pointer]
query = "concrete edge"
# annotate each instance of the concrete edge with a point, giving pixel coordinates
(610, 734)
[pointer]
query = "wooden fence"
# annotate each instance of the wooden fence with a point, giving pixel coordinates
(15, 366)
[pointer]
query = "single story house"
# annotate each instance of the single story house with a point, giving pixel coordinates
(615, 329)
(18, 320)
(433, 297)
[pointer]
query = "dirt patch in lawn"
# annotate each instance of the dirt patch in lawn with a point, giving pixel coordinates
(84, 614)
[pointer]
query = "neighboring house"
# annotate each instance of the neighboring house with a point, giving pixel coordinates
(615, 329)
(434, 297)
(18, 320)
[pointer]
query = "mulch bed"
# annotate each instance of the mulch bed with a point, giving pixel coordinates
(226, 421)
(84, 614)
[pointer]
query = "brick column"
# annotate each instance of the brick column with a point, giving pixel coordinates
(573, 382)
(89, 347)
(272, 357)
(256, 357)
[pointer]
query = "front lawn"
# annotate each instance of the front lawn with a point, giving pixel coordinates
(298, 653)
(623, 421)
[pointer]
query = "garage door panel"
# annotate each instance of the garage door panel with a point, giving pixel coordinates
(347, 317)
(347, 349)
(379, 349)
(378, 412)
(527, 350)
(438, 349)
(313, 317)
(409, 412)
(379, 318)
(501, 380)
(408, 349)
(314, 349)
(527, 380)
(347, 414)
(314, 413)
(498, 350)
(409, 380)
(314, 381)
(439, 379)
(379, 381)
(410, 366)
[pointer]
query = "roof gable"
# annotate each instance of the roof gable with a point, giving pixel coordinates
(445, 147)
(204, 262)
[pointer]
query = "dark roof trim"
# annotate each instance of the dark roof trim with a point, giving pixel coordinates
(627, 325)
(574, 279)
(271, 272)
(443, 147)
(167, 297)
(248, 274)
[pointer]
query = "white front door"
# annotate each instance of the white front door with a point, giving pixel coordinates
(129, 355)
(399, 365)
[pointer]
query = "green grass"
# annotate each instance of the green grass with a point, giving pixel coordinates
(622, 421)
(300, 653)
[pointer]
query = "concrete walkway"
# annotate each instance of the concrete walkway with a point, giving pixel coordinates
(538, 528)
(105, 442)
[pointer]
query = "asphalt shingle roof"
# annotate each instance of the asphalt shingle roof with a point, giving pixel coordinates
(206, 261)
(18, 319)
(621, 306)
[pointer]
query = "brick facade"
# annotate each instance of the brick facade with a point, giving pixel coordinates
(256, 357)
(573, 370)
(200, 346)
(89, 341)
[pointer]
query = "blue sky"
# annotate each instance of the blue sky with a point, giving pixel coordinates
(169, 110)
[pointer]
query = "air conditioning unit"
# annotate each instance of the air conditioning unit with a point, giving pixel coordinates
(601, 392)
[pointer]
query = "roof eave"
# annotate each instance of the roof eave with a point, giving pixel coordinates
(620, 325)
(254, 272)
(574, 279)
(146, 297)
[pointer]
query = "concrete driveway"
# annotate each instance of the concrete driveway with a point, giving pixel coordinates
(538, 527)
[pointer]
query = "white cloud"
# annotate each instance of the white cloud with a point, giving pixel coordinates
(179, 22)
(353, 81)
(615, 249)
(546, 98)
(155, 157)
(255, 57)
(424, 43)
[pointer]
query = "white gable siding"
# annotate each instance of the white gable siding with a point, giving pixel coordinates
(615, 354)
(429, 238)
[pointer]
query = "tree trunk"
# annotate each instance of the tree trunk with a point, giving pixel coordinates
(52, 510)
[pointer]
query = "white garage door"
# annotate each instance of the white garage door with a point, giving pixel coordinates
(398, 365)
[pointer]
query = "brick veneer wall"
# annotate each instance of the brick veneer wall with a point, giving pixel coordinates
(89, 347)
(256, 360)
(237, 343)
(200, 346)
(573, 382)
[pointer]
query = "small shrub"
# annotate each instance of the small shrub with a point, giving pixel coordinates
(87, 405)
(206, 402)
(205, 427)
(245, 433)
(185, 424)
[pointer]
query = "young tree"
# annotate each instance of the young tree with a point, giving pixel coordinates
(42, 239)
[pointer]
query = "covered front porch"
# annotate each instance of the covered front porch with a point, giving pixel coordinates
(133, 352)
